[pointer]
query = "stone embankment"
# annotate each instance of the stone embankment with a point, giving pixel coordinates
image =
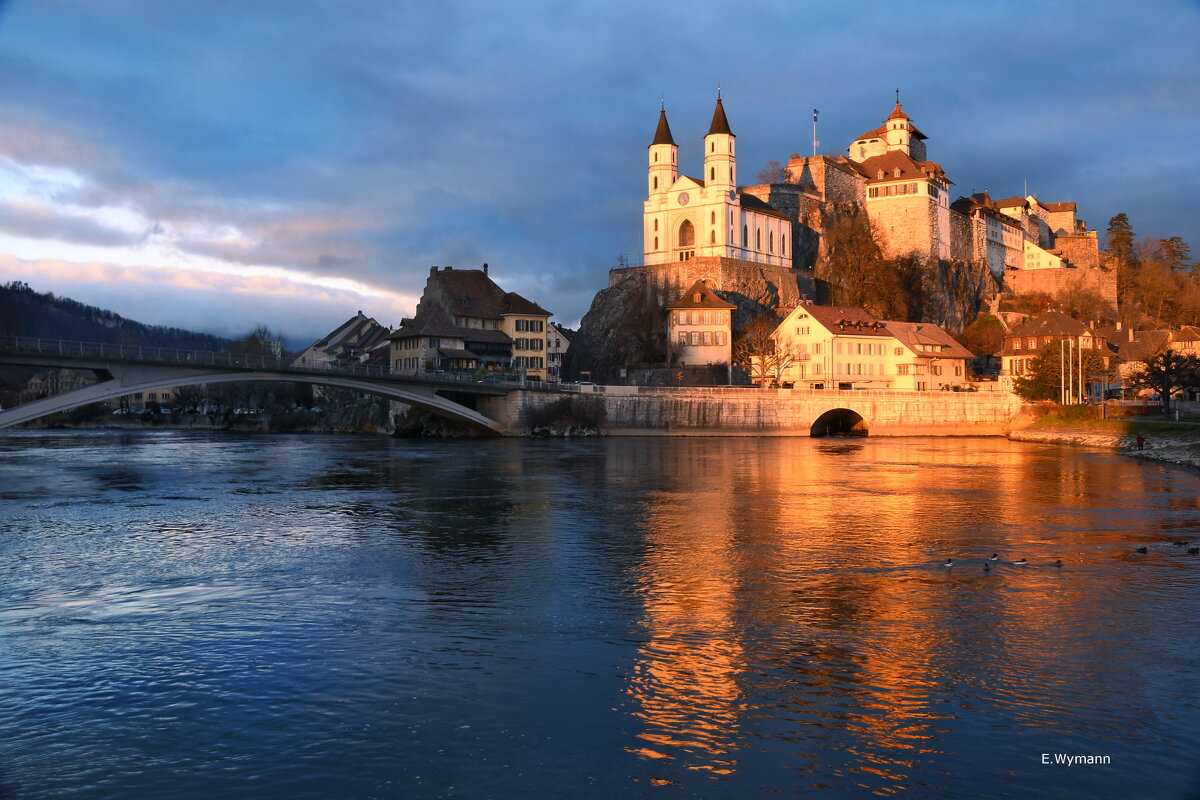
(1169, 443)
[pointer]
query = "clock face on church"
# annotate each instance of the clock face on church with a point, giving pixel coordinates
(683, 198)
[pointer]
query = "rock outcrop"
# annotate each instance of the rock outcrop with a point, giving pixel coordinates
(626, 324)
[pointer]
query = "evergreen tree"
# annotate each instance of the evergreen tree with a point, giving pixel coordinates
(1120, 239)
(1049, 374)
(1176, 252)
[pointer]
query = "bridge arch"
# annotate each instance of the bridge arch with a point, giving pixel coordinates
(131, 380)
(839, 422)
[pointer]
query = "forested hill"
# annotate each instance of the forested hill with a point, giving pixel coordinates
(24, 312)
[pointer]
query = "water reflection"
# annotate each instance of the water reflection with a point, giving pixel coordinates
(718, 617)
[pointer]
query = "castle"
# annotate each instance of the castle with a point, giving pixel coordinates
(1027, 245)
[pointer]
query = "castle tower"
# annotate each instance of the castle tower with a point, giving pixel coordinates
(719, 158)
(663, 156)
(899, 129)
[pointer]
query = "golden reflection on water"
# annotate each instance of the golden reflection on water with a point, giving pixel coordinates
(832, 553)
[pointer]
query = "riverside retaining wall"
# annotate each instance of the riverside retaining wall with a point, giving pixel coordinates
(633, 410)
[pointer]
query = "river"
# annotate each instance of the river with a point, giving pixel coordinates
(201, 615)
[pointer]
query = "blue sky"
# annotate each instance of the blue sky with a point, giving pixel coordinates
(215, 165)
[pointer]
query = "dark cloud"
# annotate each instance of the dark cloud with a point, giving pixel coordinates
(462, 132)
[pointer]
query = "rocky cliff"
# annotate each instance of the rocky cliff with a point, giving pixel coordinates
(626, 324)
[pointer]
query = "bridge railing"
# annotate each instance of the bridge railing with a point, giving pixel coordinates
(248, 361)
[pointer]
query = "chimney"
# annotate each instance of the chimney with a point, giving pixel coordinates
(433, 269)
(485, 268)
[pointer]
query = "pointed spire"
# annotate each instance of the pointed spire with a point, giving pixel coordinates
(897, 112)
(720, 124)
(662, 135)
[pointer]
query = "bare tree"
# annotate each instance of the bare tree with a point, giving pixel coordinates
(774, 172)
(762, 355)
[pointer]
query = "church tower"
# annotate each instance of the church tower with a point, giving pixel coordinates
(719, 163)
(664, 157)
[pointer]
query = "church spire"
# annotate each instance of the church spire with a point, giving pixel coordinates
(720, 124)
(663, 134)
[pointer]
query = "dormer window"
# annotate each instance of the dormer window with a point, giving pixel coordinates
(698, 297)
(896, 172)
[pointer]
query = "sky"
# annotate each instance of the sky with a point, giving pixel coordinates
(217, 165)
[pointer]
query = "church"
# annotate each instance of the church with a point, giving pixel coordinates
(686, 217)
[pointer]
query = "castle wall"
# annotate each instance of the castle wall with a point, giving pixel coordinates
(1082, 250)
(907, 223)
(1054, 281)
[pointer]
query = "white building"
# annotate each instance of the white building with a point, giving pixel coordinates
(699, 328)
(685, 217)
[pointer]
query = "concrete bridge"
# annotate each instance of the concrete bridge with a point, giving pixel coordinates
(129, 369)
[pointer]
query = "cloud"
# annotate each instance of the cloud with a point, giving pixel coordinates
(29, 220)
(224, 304)
(371, 145)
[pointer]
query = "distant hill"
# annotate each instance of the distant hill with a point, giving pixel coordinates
(24, 312)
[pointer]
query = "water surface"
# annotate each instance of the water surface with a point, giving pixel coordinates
(192, 615)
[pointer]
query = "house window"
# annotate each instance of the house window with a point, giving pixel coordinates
(706, 338)
(435, 342)
(719, 338)
(758, 239)
(695, 338)
(902, 369)
(817, 347)
(783, 243)
(1016, 344)
(707, 318)
(683, 337)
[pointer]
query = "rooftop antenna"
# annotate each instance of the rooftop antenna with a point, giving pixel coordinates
(897, 97)
(718, 88)
(815, 142)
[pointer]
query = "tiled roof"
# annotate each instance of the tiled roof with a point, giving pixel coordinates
(875, 133)
(471, 293)
(1051, 323)
(1144, 346)
(662, 134)
(843, 320)
(752, 203)
(720, 124)
(926, 333)
(1060, 206)
(1010, 202)
(430, 322)
(890, 161)
(708, 298)
(516, 304)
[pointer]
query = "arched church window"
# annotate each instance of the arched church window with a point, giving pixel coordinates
(656, 182)
(745, 235)
(758, 239)
(783, 243)
(712, 237)
(687, 234)
(655, 242)
(771, 242)
(712, 147)
(656, 226)
(656, 158)
(712, 173)
(712, 218)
